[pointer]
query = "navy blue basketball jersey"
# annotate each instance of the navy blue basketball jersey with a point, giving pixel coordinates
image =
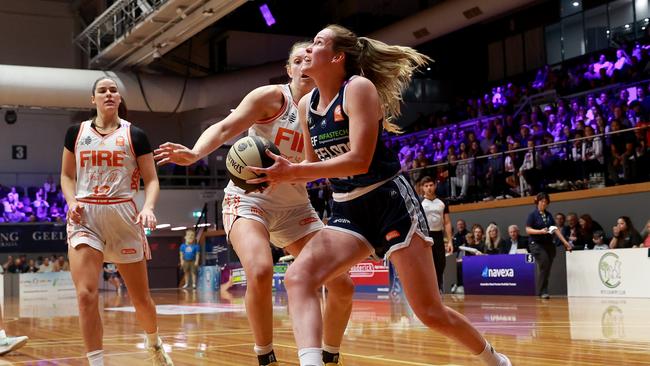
(330, 138)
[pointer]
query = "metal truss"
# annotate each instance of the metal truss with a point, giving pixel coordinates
(115, 23)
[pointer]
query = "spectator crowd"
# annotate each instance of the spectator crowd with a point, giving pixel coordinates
(594, 138)
(42, 264)
(34, 204)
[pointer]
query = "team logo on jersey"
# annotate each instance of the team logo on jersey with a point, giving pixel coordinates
(338, 115)
(119, 141)
(86, 141)
(293, 117)
(323, 123)
(392, 235)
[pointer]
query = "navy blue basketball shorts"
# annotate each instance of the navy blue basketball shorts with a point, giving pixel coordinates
(385, 218)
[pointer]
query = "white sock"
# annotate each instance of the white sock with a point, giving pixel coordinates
(310, 357)
(491, 357)
(3, 334)
(96, 358)
(153, 340)
(263, 350)
(331, 349)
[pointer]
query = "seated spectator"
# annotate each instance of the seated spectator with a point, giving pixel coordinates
(624, 235)
(418, 167)
(31, 267)
(587, 228)
(462, 176)
(61, 265)
(599, 242)
(572, 232)
(646, 235)
(460, 237)
(602, 64)
(493, 241)
(622, 63)
(46, 266)
(591, 73)
(17, 266)
(514, 242)
(56, 213)
(41, 207)
(478, 240)
(540, 78)
(5, 265)
(475, 150)
(13, 195)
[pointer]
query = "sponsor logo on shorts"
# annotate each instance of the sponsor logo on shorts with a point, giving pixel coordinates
(392, 235)
(341, 221)
(128, 251)
(308, 220)
(257, 211)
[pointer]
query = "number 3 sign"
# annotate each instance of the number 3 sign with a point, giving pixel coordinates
(19, 152)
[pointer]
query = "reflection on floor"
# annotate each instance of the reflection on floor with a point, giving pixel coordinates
(212, 329)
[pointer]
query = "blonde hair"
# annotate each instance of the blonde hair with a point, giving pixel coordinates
(300, 44)
(488, 241)
(389, 67)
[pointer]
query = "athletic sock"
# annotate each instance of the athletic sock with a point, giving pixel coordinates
(96, 358)
(265, 354)
(330, 354)
(153, 340)
(310, 357)
(490, 357)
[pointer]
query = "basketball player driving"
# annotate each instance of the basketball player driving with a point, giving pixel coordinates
(283, 216)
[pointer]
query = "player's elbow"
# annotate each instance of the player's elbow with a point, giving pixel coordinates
(359, 165)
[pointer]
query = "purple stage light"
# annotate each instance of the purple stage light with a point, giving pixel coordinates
(266, 13)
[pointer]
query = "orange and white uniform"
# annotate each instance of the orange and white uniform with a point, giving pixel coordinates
(285, 211)
(107, 179)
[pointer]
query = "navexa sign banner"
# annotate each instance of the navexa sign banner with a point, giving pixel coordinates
(507, 274)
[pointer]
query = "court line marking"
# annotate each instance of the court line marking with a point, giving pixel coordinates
(118, 354)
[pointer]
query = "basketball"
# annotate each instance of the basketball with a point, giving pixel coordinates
(249, 151)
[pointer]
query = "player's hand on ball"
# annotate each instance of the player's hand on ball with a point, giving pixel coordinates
(170, 152)
(75, 213)
(281, 171)
(147, 218)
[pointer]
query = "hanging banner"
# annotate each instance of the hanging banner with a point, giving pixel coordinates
(33, 238)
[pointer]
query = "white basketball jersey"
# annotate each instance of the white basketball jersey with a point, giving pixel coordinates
(284, 131)
(107, 168)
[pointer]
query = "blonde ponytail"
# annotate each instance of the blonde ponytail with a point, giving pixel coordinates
(389, 67)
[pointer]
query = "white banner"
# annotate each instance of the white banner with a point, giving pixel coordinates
(609, 273)
(608, 319)
(34, 307)
(46, 286)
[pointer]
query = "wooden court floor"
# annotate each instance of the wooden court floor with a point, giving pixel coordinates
(213, 330)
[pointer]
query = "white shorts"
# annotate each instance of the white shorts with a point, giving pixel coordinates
(285, 225)
(110, 228)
